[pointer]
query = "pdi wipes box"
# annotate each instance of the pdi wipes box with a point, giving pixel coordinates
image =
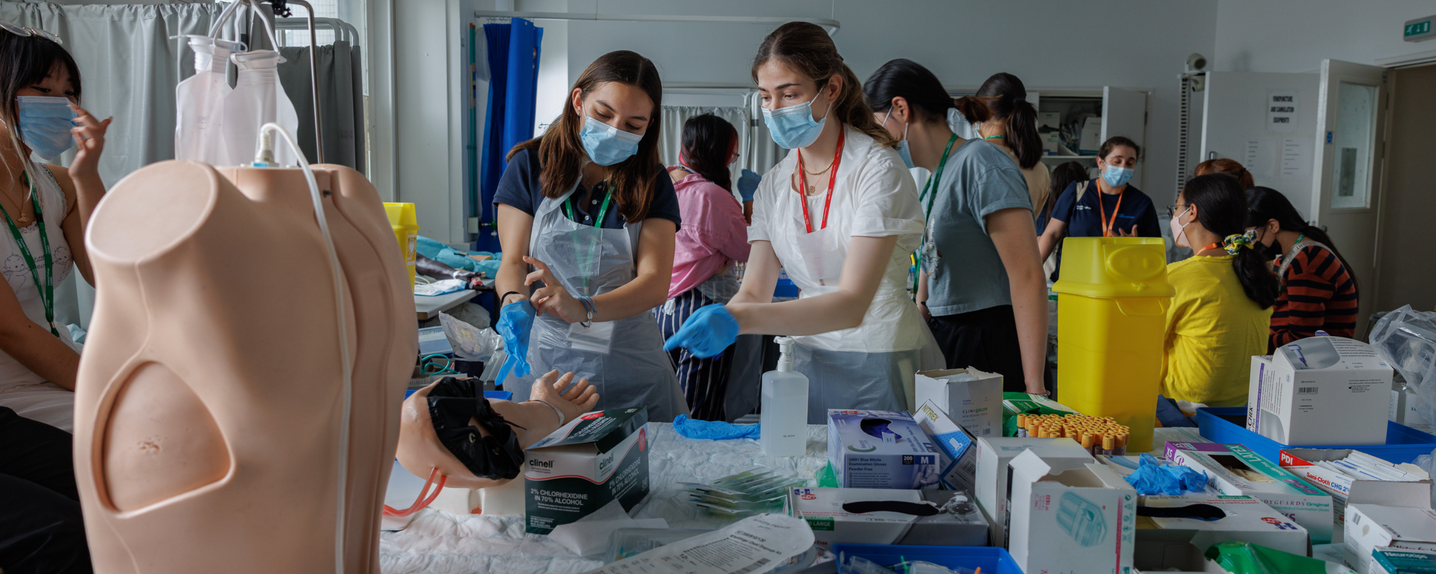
(1078, 521)
(1233, 469)
(880, 449)
(1320, 390)
(1370, 526)
(993, 456)
(971, 397)
(1413, 488)
(1398, 561)
(593, 460)
(888, 516)
(957, 453)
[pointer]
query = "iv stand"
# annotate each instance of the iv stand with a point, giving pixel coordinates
(313, 64)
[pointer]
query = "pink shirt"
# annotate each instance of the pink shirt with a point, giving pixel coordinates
(713, 233)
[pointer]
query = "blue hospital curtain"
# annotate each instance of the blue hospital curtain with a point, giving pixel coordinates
(513, 84)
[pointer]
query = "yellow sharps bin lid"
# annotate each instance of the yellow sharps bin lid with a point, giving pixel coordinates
(1112, 267)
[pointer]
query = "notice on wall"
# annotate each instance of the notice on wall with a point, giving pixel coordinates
(1281, 111)
(1295, 157)
(1260, 158)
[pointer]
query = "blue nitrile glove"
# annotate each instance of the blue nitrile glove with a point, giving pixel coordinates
(713, 430)
(706, 333)
(1152, 477)
(748, 184)
(516, 321)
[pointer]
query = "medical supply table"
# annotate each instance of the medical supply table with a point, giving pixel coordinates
(438, 541)
(430, 307)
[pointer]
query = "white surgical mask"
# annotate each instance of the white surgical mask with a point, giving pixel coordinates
(903, 150)
(1179, 230)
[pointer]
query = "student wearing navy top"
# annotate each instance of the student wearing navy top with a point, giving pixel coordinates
(587, 217)
(1107, 206)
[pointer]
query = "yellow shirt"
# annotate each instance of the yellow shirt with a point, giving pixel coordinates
(1213, 330)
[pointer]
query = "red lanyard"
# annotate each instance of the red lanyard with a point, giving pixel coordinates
(832, 178)
(1107, 225)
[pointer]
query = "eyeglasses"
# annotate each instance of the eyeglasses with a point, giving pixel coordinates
(1172, 210)
(26, 31)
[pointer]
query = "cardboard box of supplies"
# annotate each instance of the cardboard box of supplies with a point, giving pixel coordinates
(957, 453)
(1178, 541)
(1347, 487)
(1320, 390)
(1077, 521)
(993, 456)
(1233, 469)
(971, 397)
(1401, 561)
(1370, 526)
(888, 516)
(593, 460)
(880, 449)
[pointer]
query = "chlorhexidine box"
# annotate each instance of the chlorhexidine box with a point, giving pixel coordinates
(881, 449)
(1320, 390)
(591, 461)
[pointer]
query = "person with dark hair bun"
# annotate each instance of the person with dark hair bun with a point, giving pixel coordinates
(1012, 125)
(1063, 176)
(713, 237)
(1106, 206)
(1221, 314)
(981, 283)
(1319, 291)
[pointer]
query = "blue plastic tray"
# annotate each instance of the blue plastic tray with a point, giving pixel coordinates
(991, 560)
(1227, 425)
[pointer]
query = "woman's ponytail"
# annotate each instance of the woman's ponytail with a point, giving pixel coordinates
(973, 109)
(1007, 98)
(1222, 210)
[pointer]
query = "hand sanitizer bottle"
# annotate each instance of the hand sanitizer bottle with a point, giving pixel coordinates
(785, 407)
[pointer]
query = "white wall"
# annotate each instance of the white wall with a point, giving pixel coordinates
(1048, 43)
(1296, 35)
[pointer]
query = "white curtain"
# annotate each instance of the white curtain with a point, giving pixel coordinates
(755, 147)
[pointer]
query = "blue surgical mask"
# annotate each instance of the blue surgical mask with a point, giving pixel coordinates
(607, 145)
(1117, 176)
(794, 127)
(45, 124)
(903, 150)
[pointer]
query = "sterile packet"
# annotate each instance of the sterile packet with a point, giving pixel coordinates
(470, 342)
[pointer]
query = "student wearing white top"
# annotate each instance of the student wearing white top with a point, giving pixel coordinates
(840, 214)
(45, 210)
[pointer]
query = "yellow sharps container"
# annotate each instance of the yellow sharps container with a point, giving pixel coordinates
(406, 231)
(1112, 305)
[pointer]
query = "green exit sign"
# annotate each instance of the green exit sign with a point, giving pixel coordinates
(1418, 29)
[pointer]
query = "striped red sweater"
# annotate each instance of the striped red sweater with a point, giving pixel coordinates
(1318, 293)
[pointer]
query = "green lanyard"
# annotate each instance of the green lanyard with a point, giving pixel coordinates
(598, 224)
(47, 295)
(929, 191)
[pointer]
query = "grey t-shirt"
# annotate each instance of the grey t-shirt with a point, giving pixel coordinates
(965, 273)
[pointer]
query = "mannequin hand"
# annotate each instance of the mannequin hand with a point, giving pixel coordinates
(516, 320)
(706, 333)
(89, 135)
(572, 401)
(552, 298)
(748, 184)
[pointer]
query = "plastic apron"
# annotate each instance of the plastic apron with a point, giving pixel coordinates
(624, 359)
(199, 103)
(871, 366)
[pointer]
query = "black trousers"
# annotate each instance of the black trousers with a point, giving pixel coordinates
(40, 525)
(985, 339)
